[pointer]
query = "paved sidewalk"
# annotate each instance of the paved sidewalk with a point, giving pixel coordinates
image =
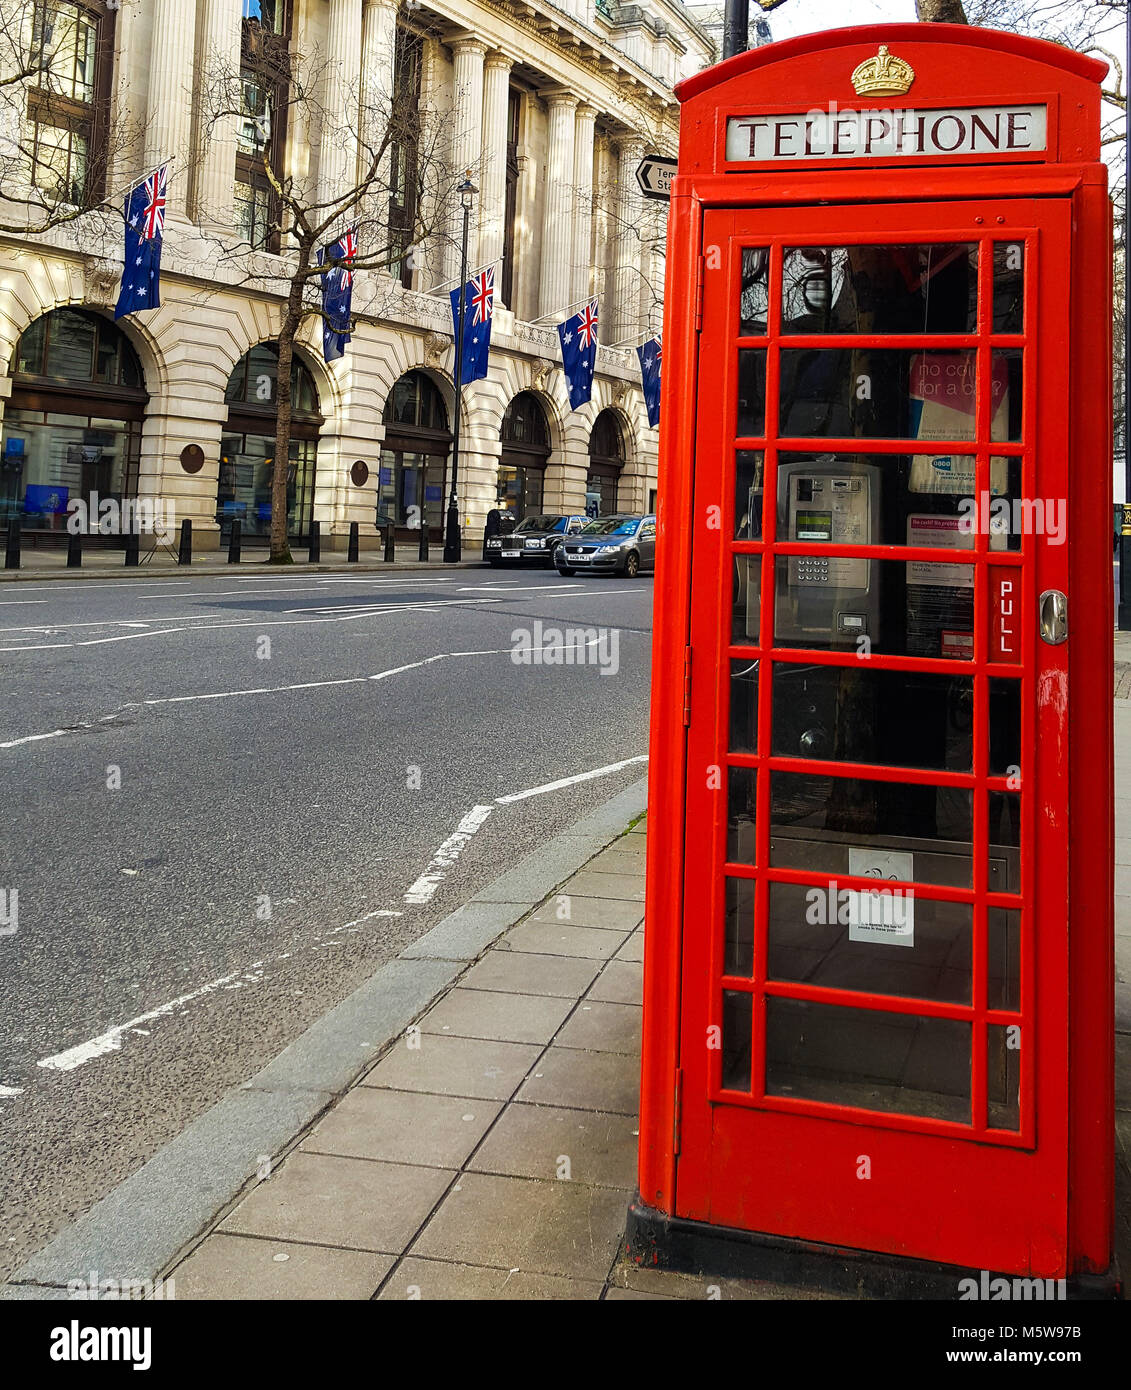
(491, 1151)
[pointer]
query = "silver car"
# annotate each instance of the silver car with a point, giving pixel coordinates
(611, 544)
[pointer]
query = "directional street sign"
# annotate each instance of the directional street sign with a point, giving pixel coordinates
(654, 175)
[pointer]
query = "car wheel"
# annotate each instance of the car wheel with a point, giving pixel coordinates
(565, 569)
(631, 565)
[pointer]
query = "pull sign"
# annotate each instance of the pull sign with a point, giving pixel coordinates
(1054, 617)
(1005, 614)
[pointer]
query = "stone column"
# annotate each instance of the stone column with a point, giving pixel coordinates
(583, 202)
(493, 197)
(169, 108)
(626, 233)
(378, 75)
(467, 145)
(555, 281)
(337, 152)
(219, 67)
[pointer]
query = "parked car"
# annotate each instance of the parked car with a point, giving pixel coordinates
(614, 544)
(533, 541)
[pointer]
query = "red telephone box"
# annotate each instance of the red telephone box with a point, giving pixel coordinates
(878, 983)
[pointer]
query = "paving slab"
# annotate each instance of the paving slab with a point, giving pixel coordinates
(403, 1127)
(543, 1141)
(564, 1228)
(441, 1279)
(499, 1016)
(629, 887)
(617, 860)
(241, 1267)
(629, 1280)
(620, 982)
(564, 977)
(603, 1028)
(455, 1067)
(613, 914)
(563, 939)
(607, 1081)
(353, 1203)
(633, 948)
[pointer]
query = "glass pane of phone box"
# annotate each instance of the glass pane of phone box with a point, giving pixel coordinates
(868, 1059)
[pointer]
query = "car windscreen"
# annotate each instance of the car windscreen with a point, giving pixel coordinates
(542, 523)
(610, 526)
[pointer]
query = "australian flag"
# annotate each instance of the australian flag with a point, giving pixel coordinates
(145, 226)
(650, 354)
(478, 310)
(579, 353)
(337, 294)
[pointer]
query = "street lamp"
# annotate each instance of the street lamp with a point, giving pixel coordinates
(453, 544)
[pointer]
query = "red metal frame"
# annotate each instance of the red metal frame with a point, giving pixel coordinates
(1000, 1199)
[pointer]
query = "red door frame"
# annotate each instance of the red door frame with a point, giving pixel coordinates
(931, 1180)
(1005, 64)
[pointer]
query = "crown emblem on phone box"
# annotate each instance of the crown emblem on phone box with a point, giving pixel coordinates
(883, 75)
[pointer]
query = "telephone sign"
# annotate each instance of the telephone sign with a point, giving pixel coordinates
(879, 907)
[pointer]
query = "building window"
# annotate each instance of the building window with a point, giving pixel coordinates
(73, 425)
(522, 464)
(71, 57)
(404, 147)
(247, 448)
(260, 141)
(414, 458)
(514, 110)
(606, 461)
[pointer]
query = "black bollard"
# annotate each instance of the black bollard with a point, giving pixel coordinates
(235, 536)
(74, 550)
(390, 545)
(422, 553)
(132, 547)
(12, 553)
(184, 554)
(351, 553)
(315, 542)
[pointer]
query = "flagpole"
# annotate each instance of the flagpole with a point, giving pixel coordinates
(453, 542)
(631, 342)
(449, 284)
(137, 183)
(555, 312)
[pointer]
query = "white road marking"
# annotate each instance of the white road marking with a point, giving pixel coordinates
(424, 889)
(569, 781)
(18, 602)
(33, 738)
(107, 622)
(510, 588)
(6, 1091)
(290, 588)
(111, 1040)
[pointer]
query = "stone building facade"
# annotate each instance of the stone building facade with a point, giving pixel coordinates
(551, 107)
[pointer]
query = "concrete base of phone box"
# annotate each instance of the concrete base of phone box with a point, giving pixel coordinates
(654, 1240)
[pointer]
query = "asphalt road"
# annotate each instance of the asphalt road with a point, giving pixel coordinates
(222, 801)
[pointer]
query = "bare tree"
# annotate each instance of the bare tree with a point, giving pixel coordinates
(61, 135)
(395, 194)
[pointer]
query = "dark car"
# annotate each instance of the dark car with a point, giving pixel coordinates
(533, 541)
(613, 544)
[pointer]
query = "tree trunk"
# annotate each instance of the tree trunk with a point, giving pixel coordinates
(292, 317)
(941, 11)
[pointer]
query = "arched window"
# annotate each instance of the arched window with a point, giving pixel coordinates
(525, 436)
(73, 425)
(414, 457)
(247, 450)
(606, 461)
